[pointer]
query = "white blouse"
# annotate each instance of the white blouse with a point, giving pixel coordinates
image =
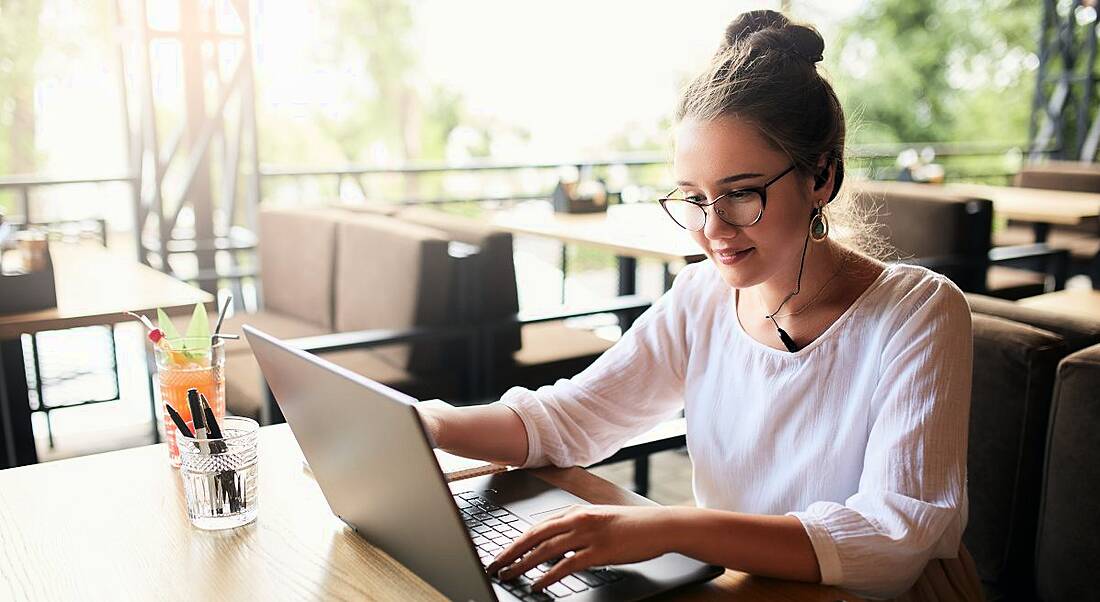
(861, 435)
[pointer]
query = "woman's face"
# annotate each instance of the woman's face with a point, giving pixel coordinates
(725, 154)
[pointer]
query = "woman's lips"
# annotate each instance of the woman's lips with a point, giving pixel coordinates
(731, 257)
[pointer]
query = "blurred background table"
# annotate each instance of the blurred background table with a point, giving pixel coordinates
(1038, 206)
(631, 231)
(94, 286)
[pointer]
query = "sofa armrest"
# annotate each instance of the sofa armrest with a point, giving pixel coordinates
(631, 305)
(365, 339)
(1014, 252)
(1038, 257)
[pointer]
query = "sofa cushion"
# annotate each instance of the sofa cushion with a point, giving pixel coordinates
(1014, 367)
(297, 252)
(1013, 283)
(1067, 549)
(546, 342)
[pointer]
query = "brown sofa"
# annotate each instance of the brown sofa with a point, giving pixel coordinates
(1067, 555)
(328, 271)
(952, 234)
(1017, 351)
(517, 352)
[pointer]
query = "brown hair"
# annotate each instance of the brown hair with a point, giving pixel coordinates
(765, 72)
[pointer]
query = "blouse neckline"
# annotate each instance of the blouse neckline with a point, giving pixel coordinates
(877, 282)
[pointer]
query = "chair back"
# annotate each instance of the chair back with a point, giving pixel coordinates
(1014, 368)
(1067, 554)
(492, 288)
(393, 275)
(948, 233)
(1060, 175)
(297, 253)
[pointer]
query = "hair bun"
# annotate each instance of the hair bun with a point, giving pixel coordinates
(763, 30)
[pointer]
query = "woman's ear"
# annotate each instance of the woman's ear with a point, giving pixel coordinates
(823, 180)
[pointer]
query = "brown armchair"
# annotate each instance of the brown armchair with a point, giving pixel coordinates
(952, 235)
(357, 272)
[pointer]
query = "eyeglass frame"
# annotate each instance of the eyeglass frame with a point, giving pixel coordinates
(761, 190)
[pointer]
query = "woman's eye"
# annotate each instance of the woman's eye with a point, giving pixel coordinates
(696, 199)
(739, 195)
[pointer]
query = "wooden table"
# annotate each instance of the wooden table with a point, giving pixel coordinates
(113, 526)
(94, 286)
(1033, 205)
(632, 231)
(1077, 303)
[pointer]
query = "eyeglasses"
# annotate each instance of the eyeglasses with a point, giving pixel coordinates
(741, 208)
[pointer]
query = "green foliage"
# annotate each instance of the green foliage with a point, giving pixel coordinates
(930, 70)
(20, 46)
(372, 38)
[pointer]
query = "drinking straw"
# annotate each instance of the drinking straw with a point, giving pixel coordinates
(155, 334)
(221, 317)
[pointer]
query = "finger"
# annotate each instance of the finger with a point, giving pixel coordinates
(577, 562)
(526, 542)
(550, 549)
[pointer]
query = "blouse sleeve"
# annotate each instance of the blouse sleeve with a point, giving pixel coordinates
(632, 387)
(912, 491)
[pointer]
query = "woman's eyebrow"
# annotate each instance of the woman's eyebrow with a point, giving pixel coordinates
(725, 180)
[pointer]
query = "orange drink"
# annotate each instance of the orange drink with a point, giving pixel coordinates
(191, 363)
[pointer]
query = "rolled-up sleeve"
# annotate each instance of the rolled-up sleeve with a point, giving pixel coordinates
(911, 502)
(632, 387)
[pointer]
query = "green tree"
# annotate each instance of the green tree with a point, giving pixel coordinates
(19, 49)
(935, 70)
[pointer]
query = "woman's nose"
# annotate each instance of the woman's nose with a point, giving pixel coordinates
(716, 228)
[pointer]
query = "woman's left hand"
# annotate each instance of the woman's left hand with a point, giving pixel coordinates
(596, 536)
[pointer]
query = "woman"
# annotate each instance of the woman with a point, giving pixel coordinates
(826, 394)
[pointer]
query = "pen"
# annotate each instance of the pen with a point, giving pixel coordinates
(209, 420)
(195, 404)
(225, 477)
(181, 426)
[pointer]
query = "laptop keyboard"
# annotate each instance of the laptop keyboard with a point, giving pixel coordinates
(492, 528)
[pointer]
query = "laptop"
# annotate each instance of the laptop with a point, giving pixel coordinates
(372, 459)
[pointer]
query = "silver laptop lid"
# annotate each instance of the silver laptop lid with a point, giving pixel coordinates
(368, 451)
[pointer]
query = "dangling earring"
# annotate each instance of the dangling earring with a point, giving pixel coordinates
(819, 225)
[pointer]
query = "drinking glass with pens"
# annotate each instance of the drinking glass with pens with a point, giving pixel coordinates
(195, 360)
(218, 466)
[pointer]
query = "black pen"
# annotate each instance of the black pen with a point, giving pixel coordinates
(213, 430)
(226, 477)
(197, 419)
(209, 419)
(181, 426)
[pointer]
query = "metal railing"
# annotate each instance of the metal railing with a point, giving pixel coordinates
(873, 160)
(23, 184)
